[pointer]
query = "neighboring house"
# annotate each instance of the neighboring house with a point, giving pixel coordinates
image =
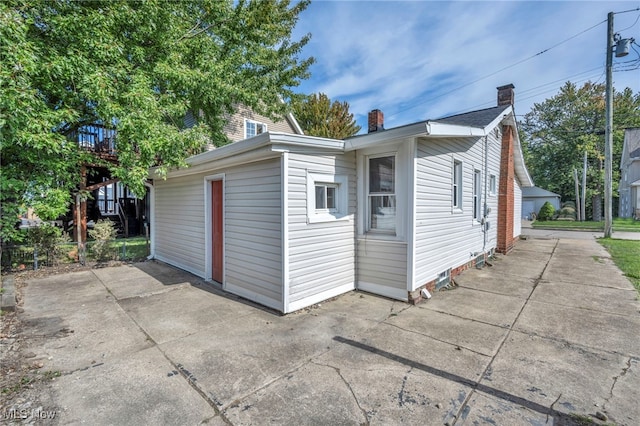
(629, 188)
(534, 197)
(112, 200)
(290, 220)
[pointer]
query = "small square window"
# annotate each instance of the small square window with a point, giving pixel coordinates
(325, 196)
(253, 128)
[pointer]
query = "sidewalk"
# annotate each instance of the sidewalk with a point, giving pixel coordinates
(545, 335)
(527, 230)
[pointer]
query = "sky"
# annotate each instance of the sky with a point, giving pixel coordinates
(419, 60)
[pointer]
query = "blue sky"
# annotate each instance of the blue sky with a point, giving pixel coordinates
(418, 60)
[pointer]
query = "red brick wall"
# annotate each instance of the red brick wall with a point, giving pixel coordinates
(506, 193)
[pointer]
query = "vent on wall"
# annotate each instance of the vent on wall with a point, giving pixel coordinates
(444, 278)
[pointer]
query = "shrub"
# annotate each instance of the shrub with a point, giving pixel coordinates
(104, 234)
(47, 239)
(546, 211)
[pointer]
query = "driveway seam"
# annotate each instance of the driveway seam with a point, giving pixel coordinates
(504, 339)
(183, 372)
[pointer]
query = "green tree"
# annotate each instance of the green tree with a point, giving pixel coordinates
(319, 117)
(557, 132)
(138, 67)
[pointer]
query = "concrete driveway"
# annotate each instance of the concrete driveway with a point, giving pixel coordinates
(544, 336)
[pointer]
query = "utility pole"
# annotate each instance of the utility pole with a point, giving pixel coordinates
(608, 136)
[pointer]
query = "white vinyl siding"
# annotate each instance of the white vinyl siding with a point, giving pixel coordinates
(253, 232)
(517, 209)
(321, 254)
(444, 240)
(179, 223)
(252, 227)
(382, 267)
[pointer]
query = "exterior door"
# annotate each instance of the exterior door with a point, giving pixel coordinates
(217, 243)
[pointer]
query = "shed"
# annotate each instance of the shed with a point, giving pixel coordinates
(534, 197)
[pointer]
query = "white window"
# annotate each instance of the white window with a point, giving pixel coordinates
(492, 184)
(477, 199)
(327, 197)
(382, 194)
(456, 188)
(253, 128)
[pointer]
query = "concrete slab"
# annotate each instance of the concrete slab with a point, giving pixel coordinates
(7, 294)
(521, 267)
(585, 296)
(585, 327)
(313, 394)
(63, 292)
(483, 409)
(140, 388)
(184, 311)
(580, 269)
(483, 306)
(535, 244)
(486, 279)
(620, 406)
(234, 359)
(554, 374)
(413, 379)
(581, 248)
(142, 279)
(69, 340)
(468, 334)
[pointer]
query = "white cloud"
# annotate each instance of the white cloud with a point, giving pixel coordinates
(418, 60)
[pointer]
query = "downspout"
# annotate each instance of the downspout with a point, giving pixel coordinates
(485, 212)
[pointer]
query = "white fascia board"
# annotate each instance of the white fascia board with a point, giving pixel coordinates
(452, 130)
(252, 149)
(518, 156)
(295, 124)
(383, 136)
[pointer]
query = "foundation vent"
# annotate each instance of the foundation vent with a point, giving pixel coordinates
(444, 279)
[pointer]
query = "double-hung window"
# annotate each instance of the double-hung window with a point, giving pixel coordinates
(382, 194)
(253, 128)
(477, 199)
(456, 188)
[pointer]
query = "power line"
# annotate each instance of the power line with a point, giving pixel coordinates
(498, 71)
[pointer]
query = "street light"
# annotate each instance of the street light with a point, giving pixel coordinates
(622, 49)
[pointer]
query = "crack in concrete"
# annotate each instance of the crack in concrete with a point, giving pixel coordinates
(489, 366)
(213, 403)
(551, 409)
(355, 398)
(615, 381)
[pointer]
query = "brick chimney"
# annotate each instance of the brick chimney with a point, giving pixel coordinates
(376, 121)
(506, 95)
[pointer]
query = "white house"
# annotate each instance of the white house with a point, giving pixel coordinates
(629, 187)
(289, 220)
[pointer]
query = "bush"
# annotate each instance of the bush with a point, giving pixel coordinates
(546, 211)
(104, 234)
(47, 239)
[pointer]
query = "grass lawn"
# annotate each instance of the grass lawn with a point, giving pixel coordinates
(626, 255)
(627, 225)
